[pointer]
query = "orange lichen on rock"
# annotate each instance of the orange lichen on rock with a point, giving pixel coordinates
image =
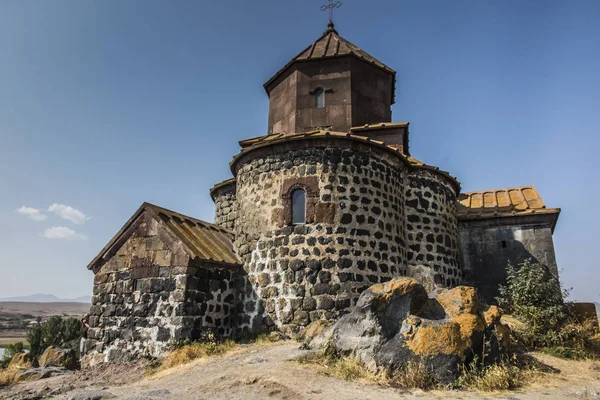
(438, 338)
(316, 328)
(459, 300)
(450, 337)
(492, 319)
(492, 315)
(384, 292)
(22, 361)
(394, 287)
(469, 324)
(57, 357)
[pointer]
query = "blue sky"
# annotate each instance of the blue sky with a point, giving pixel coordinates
(107, 104)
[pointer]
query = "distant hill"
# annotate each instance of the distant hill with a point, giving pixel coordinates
(46, 298)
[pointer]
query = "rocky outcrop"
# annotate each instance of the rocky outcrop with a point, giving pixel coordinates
(397, 321)
(53, 362)
(22, 361)
(57, 357)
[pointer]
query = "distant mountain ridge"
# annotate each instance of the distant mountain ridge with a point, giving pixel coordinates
(47, 298)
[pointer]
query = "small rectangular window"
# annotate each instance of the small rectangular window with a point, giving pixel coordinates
(298, 206)
(504, 244)
(320, 96)
(137, 285)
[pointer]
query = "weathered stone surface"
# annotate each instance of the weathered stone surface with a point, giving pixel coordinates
(344, 250)
(91, 360)
(316, 328)
(495, 327)
(396, 322)
(22, 361)
(151, 293)
(42, 373)
(91, 395)
(57, 357)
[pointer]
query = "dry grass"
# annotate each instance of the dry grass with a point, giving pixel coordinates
(497, 377)
(351, 369)
(8, 376)
(413, 376)
(346, 368)
(191, 352)
(267, 338)
(186, 352)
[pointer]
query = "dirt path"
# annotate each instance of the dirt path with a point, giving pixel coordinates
(266, 372)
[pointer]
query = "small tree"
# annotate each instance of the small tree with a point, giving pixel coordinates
(9, 353)
(56, 331)
(535, 296)
(34, 337)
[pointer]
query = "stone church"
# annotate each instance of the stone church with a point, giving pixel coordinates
(329, 202)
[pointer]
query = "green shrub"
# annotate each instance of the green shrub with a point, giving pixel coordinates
(9, 352)
(535, 296)
(56, 331)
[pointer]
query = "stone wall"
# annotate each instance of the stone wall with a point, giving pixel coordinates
(432, 230)
(150, 293)
(488, 245)
(213, 295)
(223, 194)
(282, 103)
(372, 94)
(354, 236)
(356, 93)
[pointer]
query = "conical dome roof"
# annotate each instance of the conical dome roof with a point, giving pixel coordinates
(330, 45)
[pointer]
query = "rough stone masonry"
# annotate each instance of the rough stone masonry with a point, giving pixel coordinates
(325, 205)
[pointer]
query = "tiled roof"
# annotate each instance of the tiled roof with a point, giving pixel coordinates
(206, 241)
(382, 125)
(203, 240)
(522, 200)
(218, 186)
(331, 45)
(261, 141)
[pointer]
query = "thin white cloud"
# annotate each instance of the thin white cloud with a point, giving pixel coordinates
(62, 232)
(69, 213)
(32, 213)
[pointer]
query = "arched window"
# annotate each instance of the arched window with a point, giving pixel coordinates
(320, 96)
(298, 206)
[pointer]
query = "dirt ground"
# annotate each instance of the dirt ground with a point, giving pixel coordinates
(267, 372)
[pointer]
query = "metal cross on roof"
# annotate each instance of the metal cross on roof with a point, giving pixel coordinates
(330, 7)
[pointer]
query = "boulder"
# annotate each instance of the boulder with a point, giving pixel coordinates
(22, 361)
(91, 360)
(397, 322)
(57, 357)
(377, 317)
(317, 333)
(34, 374)
(495, 328)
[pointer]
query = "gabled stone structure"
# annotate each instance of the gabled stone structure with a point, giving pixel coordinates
(164, 276)
(325, 205)
(501, 226)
